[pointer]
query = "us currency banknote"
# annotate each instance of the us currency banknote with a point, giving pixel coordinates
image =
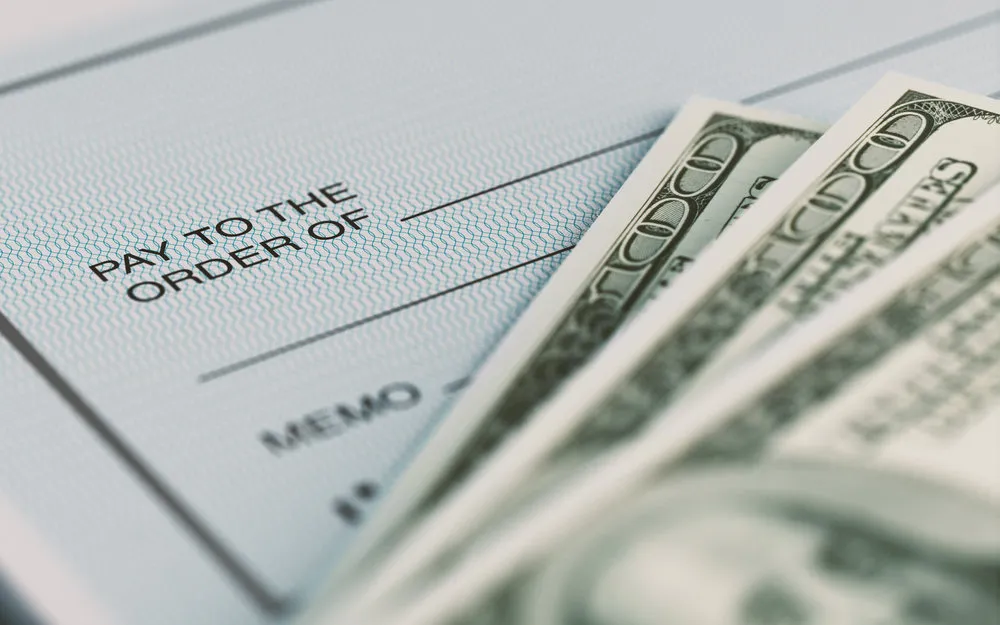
(848, 476)
(705, 171)
(903, 159)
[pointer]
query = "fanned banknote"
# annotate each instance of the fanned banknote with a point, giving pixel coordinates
(706, 170)
(906, 157)
(848, 475)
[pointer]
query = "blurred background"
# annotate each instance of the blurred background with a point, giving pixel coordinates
(37, 35)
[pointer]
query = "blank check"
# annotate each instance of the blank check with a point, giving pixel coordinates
(246, 265)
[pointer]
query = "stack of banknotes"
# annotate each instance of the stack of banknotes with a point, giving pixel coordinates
(764, 389)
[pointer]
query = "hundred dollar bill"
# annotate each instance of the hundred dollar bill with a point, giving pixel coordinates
(848, 475)
(705, 171)
(866, 240)
(858, 182)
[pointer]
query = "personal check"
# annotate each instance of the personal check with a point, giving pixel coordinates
(247, 265)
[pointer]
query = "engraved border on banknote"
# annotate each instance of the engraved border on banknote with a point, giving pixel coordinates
(655, 380)
(679, 198)
(745, 436)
